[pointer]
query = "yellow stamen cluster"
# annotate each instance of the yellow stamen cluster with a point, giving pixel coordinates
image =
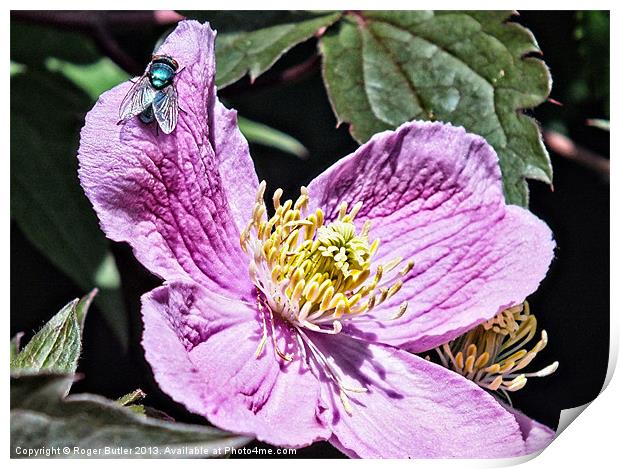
(509, 320)
(315, 274)
(493, 354)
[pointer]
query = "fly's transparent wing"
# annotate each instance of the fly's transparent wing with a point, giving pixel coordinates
(139, 97)
(166, 108)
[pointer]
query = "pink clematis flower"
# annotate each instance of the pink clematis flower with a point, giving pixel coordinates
(298, 327)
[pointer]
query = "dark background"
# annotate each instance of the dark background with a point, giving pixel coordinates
(572, 303)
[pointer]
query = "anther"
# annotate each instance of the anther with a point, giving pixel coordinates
(261, 192)
(276, 198)
(406, 269)
(345, 402)
(354, 211)
(501, 341)
(401, 311)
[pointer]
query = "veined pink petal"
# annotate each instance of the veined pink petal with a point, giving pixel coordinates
(412, 408)
(166, 339)
(202, 349)
(180, 200)
(434, 195)
(536, 435)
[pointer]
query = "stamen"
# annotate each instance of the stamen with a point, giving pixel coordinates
(354, 211)
(493, 354)
(323, 270)
(316, 275)
(276, 198)
(263, 341)
(261, 345)
(345, 402)
(331, 372)
(401, 311)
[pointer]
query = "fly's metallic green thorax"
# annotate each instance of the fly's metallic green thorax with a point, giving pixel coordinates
(162, 71)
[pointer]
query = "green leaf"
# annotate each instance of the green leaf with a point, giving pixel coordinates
(235, 21)
(47, 201)
(131, 398)
(137, 409)
(262, 134)
(81, 309)
(94, 78)
(130, 401)
(591, 80)
(382, 69)
(602, 124)
(56, 347)
(41, 417)
(242, 50)
(32, 44)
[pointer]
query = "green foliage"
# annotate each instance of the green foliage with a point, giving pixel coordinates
(81, 309)
(236, 21)
(246, 46)
(382, 69)
(57, 346)
(65, 45)
(131, 400)
(94, 78)
(264, 135)
(47, 201)
(42, 417)
(592, 80)
(602, 124)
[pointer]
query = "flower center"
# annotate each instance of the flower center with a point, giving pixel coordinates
(493, 354)
(316, 275)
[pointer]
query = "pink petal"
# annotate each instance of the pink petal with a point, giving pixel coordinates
(180, 200)
(536, 435)
(202, 350)
(412, 408)
(434, 195)
(166, 339)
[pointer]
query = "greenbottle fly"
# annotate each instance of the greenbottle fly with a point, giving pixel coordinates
(154, 95)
